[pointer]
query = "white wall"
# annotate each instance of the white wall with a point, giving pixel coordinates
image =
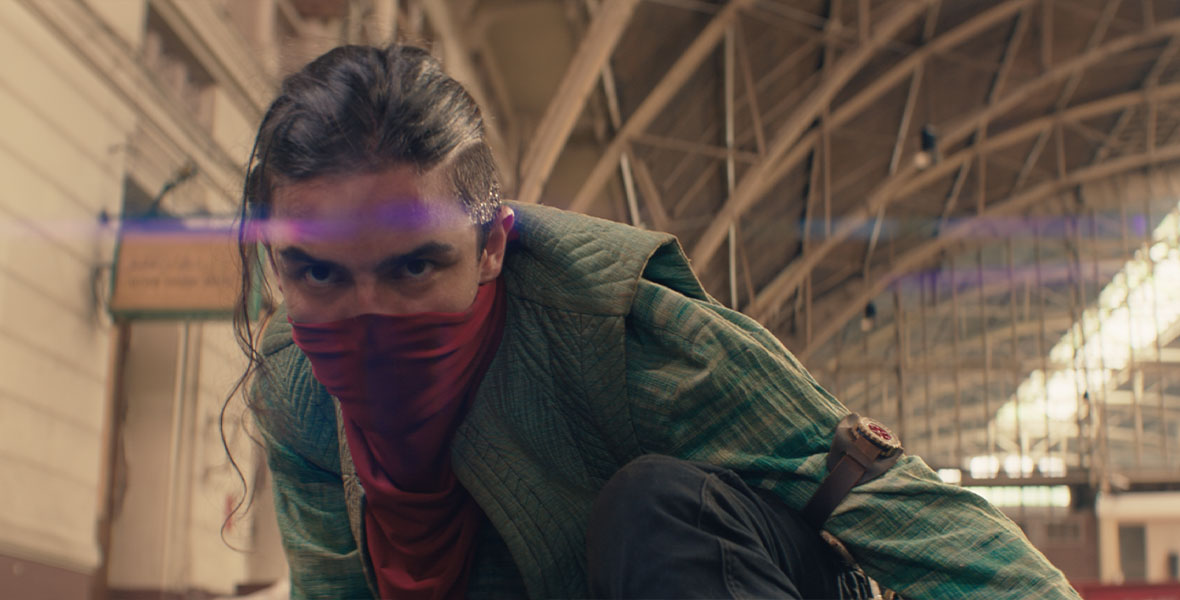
(61, 161)
(138, 531)
(215, 566)
(64, 154)
(1163, 538)
(125, 17)
(232, 130)
(180, 485)
(1158, 512)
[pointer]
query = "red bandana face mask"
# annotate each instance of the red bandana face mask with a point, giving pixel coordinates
(404, 383)
(401, 376)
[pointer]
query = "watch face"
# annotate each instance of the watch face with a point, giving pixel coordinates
(879, 435)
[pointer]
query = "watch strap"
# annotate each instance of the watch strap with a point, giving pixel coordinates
(861, 450)
(833, 489)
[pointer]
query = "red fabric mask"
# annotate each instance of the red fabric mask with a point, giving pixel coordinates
(404, 383)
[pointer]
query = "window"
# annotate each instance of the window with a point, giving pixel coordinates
(177, 71)
(1064, 532)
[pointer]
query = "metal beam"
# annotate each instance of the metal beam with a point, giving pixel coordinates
(803, 295)
(944, 411)
(703, 149)
(614, 114)
(903, 128)
(1046, 34)
(1010, 50)
(1002, 362)
(460, 66)
(650, 194)
(1149, 81)
(1110, 7)
(499, 84)
(881, 85)
(696, 5)
(751, 90)
(973, 373)
(883, 337)
(907, 113)
(790, 277)
(854, 106)
(827, 38)
(730, 167)
(610, 20)
(655, 102)
(886, 82)
(952, 196)
(840, 314)
(1030, 159)
(758, 179)
(1066, 94)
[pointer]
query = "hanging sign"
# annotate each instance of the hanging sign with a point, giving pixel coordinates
(167, 268)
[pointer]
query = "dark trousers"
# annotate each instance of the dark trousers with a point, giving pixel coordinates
(667, 528)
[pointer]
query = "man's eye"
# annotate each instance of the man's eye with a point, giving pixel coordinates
(418, 268)
(319, 274)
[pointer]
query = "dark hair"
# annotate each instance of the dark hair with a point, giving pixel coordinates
(358, 109)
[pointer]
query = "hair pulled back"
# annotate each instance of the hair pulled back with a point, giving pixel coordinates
(361, 109)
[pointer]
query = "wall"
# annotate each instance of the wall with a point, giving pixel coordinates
(180, 488)
(1068, 537)
(232, 130)
(141, 519)
(1158, 512)
(82, 116)
(62, 161)
(124, 17)
(216, 566)
(1163, 539)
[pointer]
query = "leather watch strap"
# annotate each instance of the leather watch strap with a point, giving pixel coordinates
(861, 450)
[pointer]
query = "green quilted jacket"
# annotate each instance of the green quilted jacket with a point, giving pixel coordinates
(612, 350)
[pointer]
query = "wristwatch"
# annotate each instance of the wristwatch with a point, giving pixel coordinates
(862, 449)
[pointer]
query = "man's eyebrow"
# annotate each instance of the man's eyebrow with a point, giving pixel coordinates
(429, 249)
(293, 254)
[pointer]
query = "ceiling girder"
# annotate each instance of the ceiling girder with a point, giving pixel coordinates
(789, 279)
(859, 294)
(655, 102)
(1066, 94)
(1001, 366)
(760, 177)
(903, 129)
(1150, 81)
(854, 352)
(456, 53)
(583, 72)
(1014, 41)
(751, 98)
(1017, 134)
(970, 292)
(709, 132)
(650, 194)
(737, 204)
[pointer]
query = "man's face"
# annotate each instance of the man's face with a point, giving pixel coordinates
(389, 242)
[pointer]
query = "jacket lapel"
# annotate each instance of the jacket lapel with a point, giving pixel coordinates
(354, 498)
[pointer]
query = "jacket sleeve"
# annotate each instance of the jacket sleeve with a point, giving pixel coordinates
(297, 421)
(709, 384)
